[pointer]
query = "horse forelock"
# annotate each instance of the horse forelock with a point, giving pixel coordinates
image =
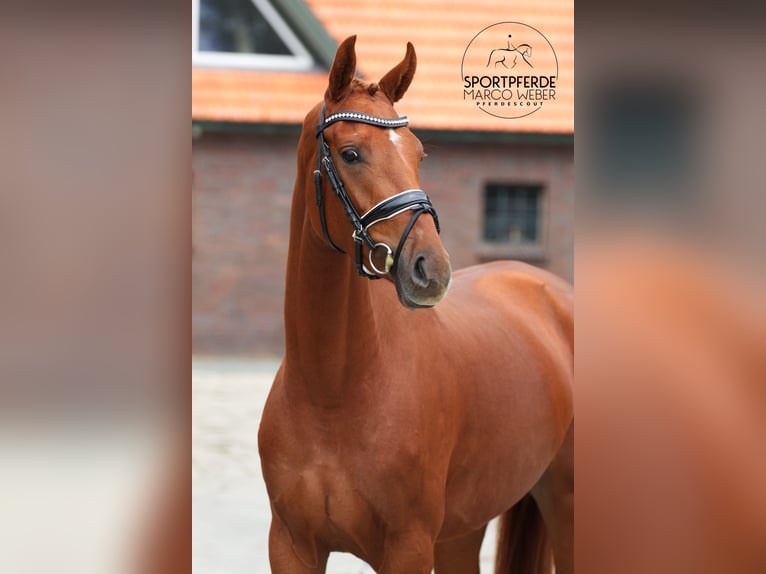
(372, 88)
(362, 88)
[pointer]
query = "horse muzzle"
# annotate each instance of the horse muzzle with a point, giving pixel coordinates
(422, 278)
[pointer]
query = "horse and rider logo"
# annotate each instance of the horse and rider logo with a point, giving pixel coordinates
(509, 70)
(509, 57)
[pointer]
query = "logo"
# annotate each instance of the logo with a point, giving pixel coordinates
(509, 70)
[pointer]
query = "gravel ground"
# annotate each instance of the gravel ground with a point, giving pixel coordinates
(230, 508)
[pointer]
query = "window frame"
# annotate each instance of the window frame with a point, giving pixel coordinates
(529, 251)
(510, 187)
(300, 60)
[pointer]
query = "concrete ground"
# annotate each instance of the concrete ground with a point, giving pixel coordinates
(230, 508)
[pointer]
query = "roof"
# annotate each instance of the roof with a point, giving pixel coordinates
(440, 31)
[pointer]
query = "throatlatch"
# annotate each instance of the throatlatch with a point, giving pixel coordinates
(414, 200)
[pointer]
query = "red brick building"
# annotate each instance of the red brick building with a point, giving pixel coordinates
(504, 188)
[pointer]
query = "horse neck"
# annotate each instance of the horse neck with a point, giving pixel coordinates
(331, 335)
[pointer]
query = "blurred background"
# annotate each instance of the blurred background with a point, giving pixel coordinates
(671, 321)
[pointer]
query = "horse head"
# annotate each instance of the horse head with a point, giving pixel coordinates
(375, 163)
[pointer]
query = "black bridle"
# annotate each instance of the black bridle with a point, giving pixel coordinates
(414, 200)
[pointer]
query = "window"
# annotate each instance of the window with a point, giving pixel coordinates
(512, 214)
(244, 34)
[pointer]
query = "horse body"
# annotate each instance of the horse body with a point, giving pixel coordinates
(394, 433)
(505, 349)
(415, 436)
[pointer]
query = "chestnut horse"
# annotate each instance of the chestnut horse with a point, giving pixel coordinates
(396, 428)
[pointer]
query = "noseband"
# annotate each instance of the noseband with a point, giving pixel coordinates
(414, 200)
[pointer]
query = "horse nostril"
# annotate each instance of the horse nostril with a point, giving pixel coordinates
(419, 271)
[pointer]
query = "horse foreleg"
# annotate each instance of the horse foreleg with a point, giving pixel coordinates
(410, 552)
(283, 558)
(554, 494)
(460, 555)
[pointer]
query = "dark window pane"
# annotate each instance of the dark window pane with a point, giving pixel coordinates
(512, 213)
(237, 26)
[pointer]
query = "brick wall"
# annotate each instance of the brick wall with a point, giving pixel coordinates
(241, 202)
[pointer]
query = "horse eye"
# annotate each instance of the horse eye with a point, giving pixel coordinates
(349, 155)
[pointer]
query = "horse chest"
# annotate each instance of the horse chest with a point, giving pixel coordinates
(323, 501)
(329, 484)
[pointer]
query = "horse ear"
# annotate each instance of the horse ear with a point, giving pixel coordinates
(396, 82)
(342, 71)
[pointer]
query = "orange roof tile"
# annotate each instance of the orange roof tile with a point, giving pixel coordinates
(440, 31)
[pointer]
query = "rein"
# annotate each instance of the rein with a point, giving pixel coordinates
(414, 200)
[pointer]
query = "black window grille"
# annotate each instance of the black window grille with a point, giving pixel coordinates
(512, 213)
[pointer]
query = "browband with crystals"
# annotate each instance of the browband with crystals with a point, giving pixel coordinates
(349, 116)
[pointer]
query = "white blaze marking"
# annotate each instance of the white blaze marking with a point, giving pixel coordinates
(396, 139)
